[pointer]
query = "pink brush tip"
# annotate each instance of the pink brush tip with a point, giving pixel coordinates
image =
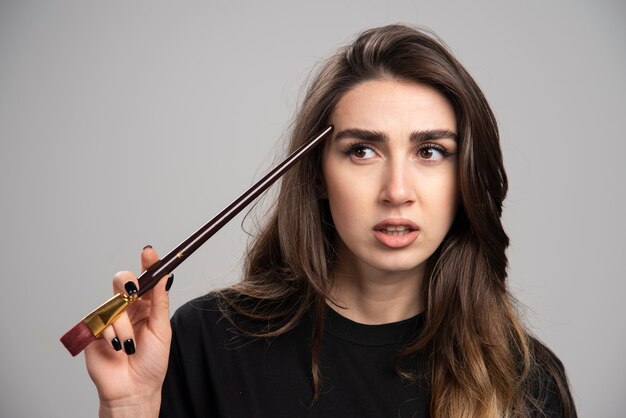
(76, 339)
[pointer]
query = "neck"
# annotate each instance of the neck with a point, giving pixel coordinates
(369, 296)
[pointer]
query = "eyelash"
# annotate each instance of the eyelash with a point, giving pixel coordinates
(360, 145)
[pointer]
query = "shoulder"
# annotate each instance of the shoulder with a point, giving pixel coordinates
(202, 315)
(548, 385)
(220, 316)
(198, 309)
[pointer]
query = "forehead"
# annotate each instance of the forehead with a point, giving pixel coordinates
(392, 104)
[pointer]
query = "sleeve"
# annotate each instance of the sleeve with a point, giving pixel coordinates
(188, 389)
(175, 395)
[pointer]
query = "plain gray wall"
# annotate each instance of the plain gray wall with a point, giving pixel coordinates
(124, 123)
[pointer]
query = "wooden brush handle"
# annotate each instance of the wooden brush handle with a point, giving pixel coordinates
(149, 278)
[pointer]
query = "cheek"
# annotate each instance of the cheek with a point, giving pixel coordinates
(439, 201)
(346, 196)
(345, 200)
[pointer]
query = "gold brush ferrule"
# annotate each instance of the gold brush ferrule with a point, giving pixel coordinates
(108, 312)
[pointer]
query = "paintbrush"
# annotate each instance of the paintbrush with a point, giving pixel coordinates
(87, 330)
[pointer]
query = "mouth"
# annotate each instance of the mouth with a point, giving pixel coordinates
(396, 230)
(396, 233)
(396, 226)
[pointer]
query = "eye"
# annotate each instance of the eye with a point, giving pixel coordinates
(433, 152)
(361, 151)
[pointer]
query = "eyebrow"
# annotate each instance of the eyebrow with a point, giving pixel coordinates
(377, 136)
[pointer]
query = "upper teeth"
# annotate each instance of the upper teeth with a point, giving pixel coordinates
(392, 228)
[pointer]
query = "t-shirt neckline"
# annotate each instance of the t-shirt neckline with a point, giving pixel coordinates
(372, 335)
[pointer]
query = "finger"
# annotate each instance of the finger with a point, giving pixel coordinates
(148, 257)
(121, 278)
(112, 340)
(160, 306)
(124, 331)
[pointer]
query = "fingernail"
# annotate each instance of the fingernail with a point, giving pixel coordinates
(131, 288)
(116, 344)
(147, 246)
(129, 346)
(170, 280)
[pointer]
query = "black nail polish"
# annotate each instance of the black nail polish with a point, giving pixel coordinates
(117, 345)
(131, 288)
(129, 346)
(170, 280)
(147, 246)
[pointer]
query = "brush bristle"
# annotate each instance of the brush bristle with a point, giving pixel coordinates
(76, 339)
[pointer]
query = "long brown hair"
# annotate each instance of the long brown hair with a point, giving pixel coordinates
(476, 356)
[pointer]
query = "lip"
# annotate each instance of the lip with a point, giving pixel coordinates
(396, 241)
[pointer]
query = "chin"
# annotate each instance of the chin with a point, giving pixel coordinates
(398, 269)
(388, 265)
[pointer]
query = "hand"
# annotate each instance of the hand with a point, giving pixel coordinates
(129, 372)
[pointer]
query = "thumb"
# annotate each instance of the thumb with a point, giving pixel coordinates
(160, 305)
(158, 296)
(148, 257)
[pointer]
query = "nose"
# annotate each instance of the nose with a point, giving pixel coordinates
(398, 183)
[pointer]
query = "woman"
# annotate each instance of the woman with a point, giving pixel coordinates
(377, 287)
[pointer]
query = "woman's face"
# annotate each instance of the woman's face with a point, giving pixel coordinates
(390, 175)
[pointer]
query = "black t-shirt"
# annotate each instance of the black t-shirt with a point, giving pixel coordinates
(214, 371)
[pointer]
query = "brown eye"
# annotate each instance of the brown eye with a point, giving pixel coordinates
(432, 153)
(426, 153)
(360, 153)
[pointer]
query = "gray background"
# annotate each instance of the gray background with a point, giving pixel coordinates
(124, 123)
